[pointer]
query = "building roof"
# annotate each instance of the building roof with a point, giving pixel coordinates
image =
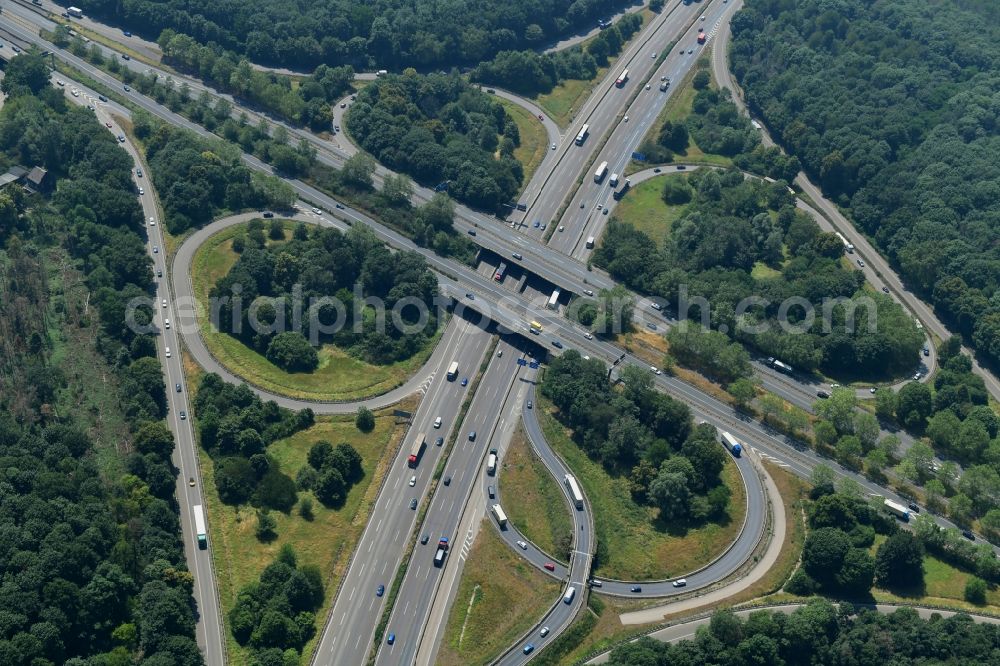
(14, 174)
(37, 175)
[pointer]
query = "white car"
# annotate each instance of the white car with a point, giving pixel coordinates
(168, 352)
(141, 191)
(553, 146)
(702, 17)
(166, 323)
(680, 582)
(75, 92)
(544, 632)
(316, 210)
(626, 117)
(655, 370)
(654, 55)
(522, 545)
(164, 302)
(437, 422)
(60, 83)
(152, 222)
(413, 480)
(588, 335)
(647, 86)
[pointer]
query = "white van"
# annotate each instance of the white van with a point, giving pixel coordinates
(437, 422)
(568, 597)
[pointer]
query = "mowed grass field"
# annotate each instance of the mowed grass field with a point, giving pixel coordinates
(644, 208)
(339, 376)
(325, 541)
(634, 546)
(499, 597)
(533, 500)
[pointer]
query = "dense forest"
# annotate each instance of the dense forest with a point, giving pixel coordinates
(322, 263)
(643, 434)
(891, 107)
(197, 178)
(387, 34)
(739, 237)
(91, 560)
(439, 128)
(822, 634)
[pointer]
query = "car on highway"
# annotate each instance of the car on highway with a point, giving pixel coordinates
(861, 262)
(492, 492)
(607, 210)
(655, 370)
(166, 323)
(141, 191)
(424, 539)
(390, 639)
(517, 255)
(656, 306)
(885, 290)
(439, 441)
(522, 545)
(588, 335)
(650, 325)
(549, 566)
(912, 506)
(60, 83)
(159, 273)
(589, 292)
(927, 351)
(636, 588)
(156, 249)
(702, 17)
(437, 422)
(544, 632)
(822, 394)
(529, 404)
(164, 302)
(557, 344)
(690, 51)
(969, 535)
(680, 582)
(561, 227)
(126, 88)
(647, 86)
(121, 138)
(343, 105)
(191, 481)
(138, 173)
(653, 57)
(177, 387)
(108, 125)
(472, 436)
(553, 146)
(472, 232)
(126, 56)
(465, 381)
(413, 503)
(152, 222)
(380, 590)
(541, 117)
(447, 480)
(184, 415)
(529, 648)
(596, 583)
(316, 211)
(413, 480)
(625, 118)
(338, 206)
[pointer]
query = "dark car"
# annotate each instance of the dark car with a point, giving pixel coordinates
(465, 381)
(105, 99)
(472, 232)
(681, 167)
(424, 539)
(472, 436)
(529, 404)
(380, 590)
(177, 387)
(969, 535)
(557, 344)
(184, 416)
(413, 503)
(390, 639)
(637, 588)
(268, 214)
(913, 507)
(126, 56)
(529, 648)
(492, 492)
(447, 480)
(126, 88)
(159, 273)
(822, 394)
(927, 351)
(127, 33)
(439, 441)
(657, 170)
(339, 206)
(469, 295)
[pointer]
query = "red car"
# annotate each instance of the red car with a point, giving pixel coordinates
(550, 566)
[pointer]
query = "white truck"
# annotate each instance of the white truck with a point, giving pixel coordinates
(734, 446)
(75, 12)
(491, 463)
(602, 171)
(614, 180)
(199, 526)
(897, 510)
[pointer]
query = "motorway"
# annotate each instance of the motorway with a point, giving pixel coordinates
(350, 627)
(185, 456)
(492, 416)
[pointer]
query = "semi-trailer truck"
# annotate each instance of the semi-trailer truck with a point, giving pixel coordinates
(601, 172)
(618, 194)
(897, 510)
(779, 366)
(731, 444)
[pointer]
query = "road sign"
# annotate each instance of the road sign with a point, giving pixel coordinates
(522, 361)
(533, 365)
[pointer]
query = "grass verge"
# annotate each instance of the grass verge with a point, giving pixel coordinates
(632, 543)
(325, 541)
(339, 376)
(534, 138)
(645, 209)
(533, 499)
(499, 597)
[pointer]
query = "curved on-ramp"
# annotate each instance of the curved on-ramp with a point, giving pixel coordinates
(188, 311)
(760, 491)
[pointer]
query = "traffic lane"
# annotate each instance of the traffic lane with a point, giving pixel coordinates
(147, 48)
(617, 152)
(602, 106)
(444, 512)
(349, 633)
